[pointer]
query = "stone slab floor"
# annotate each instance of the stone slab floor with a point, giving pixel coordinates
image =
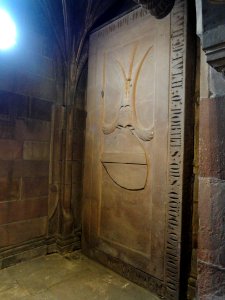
(71, 277)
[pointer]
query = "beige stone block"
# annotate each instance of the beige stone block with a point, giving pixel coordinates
(9, 189)
(35, 150)
(35, 187)
(34, 130)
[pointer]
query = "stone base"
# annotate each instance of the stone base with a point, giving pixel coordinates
(13, 255)
(68, 244)
(131, 273)
(34, 248)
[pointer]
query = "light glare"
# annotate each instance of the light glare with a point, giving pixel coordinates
(7, 31)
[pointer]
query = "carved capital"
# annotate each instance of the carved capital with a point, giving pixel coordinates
(158, 8)
(211, 30)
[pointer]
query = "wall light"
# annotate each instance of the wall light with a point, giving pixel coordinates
(7, 31)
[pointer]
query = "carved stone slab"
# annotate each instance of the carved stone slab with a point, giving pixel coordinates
(134, 148)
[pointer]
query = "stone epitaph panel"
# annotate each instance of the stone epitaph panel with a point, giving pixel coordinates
(133, 171)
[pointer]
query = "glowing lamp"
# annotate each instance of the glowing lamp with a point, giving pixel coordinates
(7, 31)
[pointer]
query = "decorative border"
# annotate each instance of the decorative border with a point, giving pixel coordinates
(127, 271)
(176, 149)
(120, 22)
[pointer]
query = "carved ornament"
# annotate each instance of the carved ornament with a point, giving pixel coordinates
(130, 131)
(158, 8)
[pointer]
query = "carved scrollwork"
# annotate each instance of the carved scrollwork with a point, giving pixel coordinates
(158, 8)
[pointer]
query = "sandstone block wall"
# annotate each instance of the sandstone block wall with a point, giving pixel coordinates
(27, 94)
(211, 208)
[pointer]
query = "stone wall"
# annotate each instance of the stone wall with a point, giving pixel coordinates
(27, 94)
(211, 249)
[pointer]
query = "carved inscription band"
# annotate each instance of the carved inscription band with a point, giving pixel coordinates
(176, 148)
(158, 8)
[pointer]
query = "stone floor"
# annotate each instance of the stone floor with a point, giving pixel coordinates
(72, 277)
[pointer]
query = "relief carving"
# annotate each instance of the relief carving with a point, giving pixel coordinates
(128, 152)
(135, 140)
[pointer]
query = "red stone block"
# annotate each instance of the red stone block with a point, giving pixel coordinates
(211, 242)
(212, 138)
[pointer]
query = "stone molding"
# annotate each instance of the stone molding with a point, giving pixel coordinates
(211, 30)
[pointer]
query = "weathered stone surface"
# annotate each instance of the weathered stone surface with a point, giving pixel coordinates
(22, 210)
(53, 200)
(158, 8)
(67, 144)
(7, 129)
(56, 171)
(40, 109)
(9, 189)
(29, 250)
(14, 105)
(68, 172)
(216, 83)
(6, 168)
(211, 282)
(34, 130)
(29, 62)
(10, 150)
(61, 277)
(24, 168)
(211, 252)
(211, 221)
(16, 233)
(212, 138)
(80, 119)
(35, 187)
(210, 28)
(77, 172)
(78, 151)
(28, 84)
(36, 150)
(30, 168)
